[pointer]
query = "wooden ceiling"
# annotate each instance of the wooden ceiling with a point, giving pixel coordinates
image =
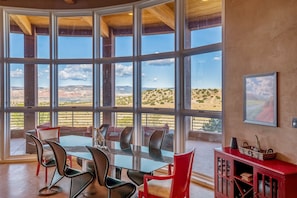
(160, 15)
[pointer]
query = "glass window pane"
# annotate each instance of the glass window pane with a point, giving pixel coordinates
(43, 47)
(204, 134)
(43, 119)
(24, 32)
(154, 44)
(43, 85)
(157, 83)
(123, 119)
(116, 34)
(123, 46)
(20, 123)
(16, 85)
(117, 84)
(21, 88)
(158, 28)
(203, 81)
(124, 84)
(16, 45)
(151, 122)
(78, 120)
(17, 141)
(75, 85)
(202, 23)
(206, 36)
(75, 37)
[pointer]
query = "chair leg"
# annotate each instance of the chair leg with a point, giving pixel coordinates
(79, 183)
(118, 172)
(109, 193)
(55, 179)
(70, 160)
(140, 194)
(37, 169)
(45, 175)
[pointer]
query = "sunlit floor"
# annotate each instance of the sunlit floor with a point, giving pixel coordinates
(19, 180)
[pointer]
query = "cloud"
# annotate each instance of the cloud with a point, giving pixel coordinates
(161, 62)
(217, 58)
(18, 73)
(43, 71)
(76, 72)
(123, 70)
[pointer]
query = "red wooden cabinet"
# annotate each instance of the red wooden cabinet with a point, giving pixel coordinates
(240, 176)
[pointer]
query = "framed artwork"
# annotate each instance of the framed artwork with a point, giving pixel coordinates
(260, 99)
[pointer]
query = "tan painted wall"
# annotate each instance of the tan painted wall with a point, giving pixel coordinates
(260, 36)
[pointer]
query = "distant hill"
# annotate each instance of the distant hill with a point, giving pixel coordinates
(204, 99)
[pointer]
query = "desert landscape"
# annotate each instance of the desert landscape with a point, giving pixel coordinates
(201, 99)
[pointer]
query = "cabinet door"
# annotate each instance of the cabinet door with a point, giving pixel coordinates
(266, 185)
(243, 180)
(223, 179)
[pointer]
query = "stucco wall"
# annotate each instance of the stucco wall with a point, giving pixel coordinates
(261, 37)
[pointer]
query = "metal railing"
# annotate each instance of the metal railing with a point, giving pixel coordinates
(85, 119)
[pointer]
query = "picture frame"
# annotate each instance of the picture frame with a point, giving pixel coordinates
(260, 99)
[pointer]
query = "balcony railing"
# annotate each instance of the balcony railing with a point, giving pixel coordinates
(85, 119)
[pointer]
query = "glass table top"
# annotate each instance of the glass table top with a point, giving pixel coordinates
(130, 156)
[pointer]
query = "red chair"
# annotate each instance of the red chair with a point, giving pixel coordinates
(49, 133)
(175, 185)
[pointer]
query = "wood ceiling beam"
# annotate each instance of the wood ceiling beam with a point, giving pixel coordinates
(104, 27)
(164, 14)
(23, 23)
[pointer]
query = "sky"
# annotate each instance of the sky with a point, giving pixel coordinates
(205, 68)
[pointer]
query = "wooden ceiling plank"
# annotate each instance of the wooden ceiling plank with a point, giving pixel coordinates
(23, 23)
(163, 13)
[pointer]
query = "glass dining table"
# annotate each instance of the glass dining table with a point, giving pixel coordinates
(130, 156)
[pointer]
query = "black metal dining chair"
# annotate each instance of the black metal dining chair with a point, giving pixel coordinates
(79, 179)
(125, 141)
(47, 160)
(155, 144)
(116, 188)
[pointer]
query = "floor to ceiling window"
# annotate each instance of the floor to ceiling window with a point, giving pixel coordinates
(151, 65)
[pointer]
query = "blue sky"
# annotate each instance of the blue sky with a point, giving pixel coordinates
(205, 70)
